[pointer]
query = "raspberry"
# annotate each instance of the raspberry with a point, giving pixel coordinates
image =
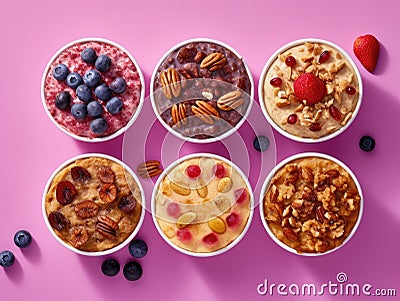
(310, 88)
(232, 219)
(219, 171)
(184, 235)
(173, 209)
(210, 239)
(193, 171)
(241, 195)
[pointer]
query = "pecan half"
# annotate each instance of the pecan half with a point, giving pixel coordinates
(205, 112)
(79, 236)
(106, 174)
(213, 61)
(320, 214)
(171, 85)
(107, 227)
(273, 193)
(149, 169)
(230, 101)
(309, 194)
(292, 177)
(86, 209)
(307, 174)
(178, 114)
(108, 192)
(289, 233)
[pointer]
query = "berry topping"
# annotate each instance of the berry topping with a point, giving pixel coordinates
(7, 258)
(74, 80)
(65, 192)
(92, 78)
(324, 56)
(114, 105)
(98, 126)
(290, 61)
(241, 195)
(367, 143)
(103, 92)
(118, 85)
(219, 170)
(292, 118)
(315, 127)
(60, 72)
(108, 192)
(310, 88)
(88, 55)
(350, 90)
(184, 235)
(22, 239)
(366, 48)
(83, 92)
(63, 100)
(106, 174)
(232, 219)
(138, 248)
(335, 113)
(173, 209)
(210, 239)
(79, 111)
(95, 109)
(276, 82)
(57, 220)
(103, 63)
(193, 171)
(132, 271)
(127, 203)
(110, 267)
(261, 143)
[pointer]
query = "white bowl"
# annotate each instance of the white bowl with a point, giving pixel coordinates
(223, 135)
(273, 122)
(267, 183)
(204, 254)
(96, 253)
(133, 117)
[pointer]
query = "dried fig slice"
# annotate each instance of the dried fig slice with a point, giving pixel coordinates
(79, 236)
(86, 209)
(108, 192)
(65, 192)
(106, 174)
(80, 174)
(57, 220)
(127, 203)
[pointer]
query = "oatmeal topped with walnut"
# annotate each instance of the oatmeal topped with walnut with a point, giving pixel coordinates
(312, 204)
(311, 90)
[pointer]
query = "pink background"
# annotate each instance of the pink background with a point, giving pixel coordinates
(32, 147)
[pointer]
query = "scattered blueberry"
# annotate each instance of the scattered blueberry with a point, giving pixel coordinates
(132, 271)
(367, 143)
(83, 92)
(110, 267)
(103, 63)
(138, 248)
(92, 78)
(22, 239)
(60, 72)
(7, 258)
(114, 105)
(79, 111)
(88, 55)
(74, 80)
(63, 100)
(118, 85)
(103, 92)
(98, 126)
(95, 109)
(261, 143)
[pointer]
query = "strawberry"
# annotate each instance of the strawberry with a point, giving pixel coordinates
(310, 88)
(366, 48)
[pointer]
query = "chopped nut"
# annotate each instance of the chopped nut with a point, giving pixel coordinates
(347, 118)
(207, 95)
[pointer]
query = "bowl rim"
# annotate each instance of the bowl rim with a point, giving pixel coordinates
(225, 134)
(300, 156)
(126, 169)
(237, 239)
(133, 117)
(262, 100)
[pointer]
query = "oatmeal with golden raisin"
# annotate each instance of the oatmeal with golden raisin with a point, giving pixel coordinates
(312, 204)
(93, 204)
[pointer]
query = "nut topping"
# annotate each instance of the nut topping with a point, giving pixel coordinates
(230, 101)
(171, 85)
(205, 112)
(289, 233)
(79, 236)
(185, 219)
(86, 209)
(201, 188)
(224, 185)
(149, 169)
(178, 114)
(106, 174)
(107, 227)
(108, 192)
(217, 225)
(179, 189)
(213, 61)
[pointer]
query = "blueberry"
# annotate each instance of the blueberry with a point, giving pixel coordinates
(261, 143)
(63, 100)
(138, 248)
(88, 55)
(92, 78)
(83, 92)
(79, 111)
(98, 126)
(132, 270)
(110, 267)
(7, 258)
(114, 105)
(95, 109)
(103, 63)
(367, 143)
(103, 92)
(74, 80)
(118, 85)
(22, 239)
(60, 72)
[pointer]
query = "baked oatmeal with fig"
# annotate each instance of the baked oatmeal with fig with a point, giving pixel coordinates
(312, 204)
(202, 205)
(93, 204)
(311, 90)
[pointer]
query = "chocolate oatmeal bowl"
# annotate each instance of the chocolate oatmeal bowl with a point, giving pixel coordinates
(201, 90)
(310, 90)
(93, 204)
(311, 204)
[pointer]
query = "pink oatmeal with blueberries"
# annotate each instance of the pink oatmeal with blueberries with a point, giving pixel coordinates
(121, 66)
